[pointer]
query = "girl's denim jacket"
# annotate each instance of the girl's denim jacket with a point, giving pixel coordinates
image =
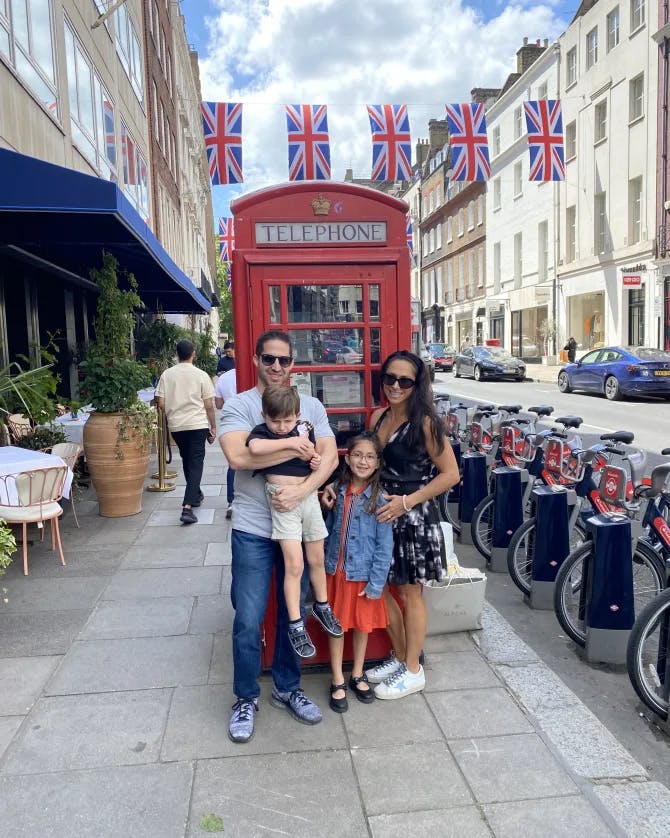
(369, 547)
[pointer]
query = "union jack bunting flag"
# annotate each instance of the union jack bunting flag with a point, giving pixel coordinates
(308, 142)
(110, 139)
(222, 127)
(410, 237)
(545, 139)
(226, 239)
(469, 145)
(391, 142)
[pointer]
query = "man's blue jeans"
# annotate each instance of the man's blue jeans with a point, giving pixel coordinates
(254, 559)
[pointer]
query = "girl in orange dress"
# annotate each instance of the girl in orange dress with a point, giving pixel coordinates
(358, 557)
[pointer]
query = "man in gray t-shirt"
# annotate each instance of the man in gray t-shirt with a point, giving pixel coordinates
(254, 555)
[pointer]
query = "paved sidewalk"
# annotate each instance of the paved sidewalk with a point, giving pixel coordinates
(543, 372)
(115, 693)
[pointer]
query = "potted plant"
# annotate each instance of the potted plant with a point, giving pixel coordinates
(7, 549)
(118, 433)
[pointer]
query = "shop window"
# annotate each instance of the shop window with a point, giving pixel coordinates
(636, 317)
(26, 41)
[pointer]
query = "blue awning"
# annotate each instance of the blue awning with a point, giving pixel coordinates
(68, 219)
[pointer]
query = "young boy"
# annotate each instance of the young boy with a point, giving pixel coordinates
(304, 524)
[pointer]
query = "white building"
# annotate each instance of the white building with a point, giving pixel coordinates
(607, 282)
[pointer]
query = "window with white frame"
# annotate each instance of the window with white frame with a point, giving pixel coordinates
(591, 48)
(480, 271)
(481, 209)
(518, 256)
(91, 110)
(461, 277)
(542, 251)
(518, 179)
(26, 42)
(450, 229)
(425, 243)
(450, 281)
(571, 67)
(135, 173)
(496, 268)
(461, 222)
(637, 14)
(496, 193)
(518, 122)
(571, 140)
(636, 98)
(542, 90)
(634, 210)
(571, 234)
(471, 273)
(495, 141)
(154, 103)
(438, 195)
(439, 288)
(431, 239)
(471, 215)
(613, 28)
(438, 237)
(600, 122)
(600, 222)
(129, 50)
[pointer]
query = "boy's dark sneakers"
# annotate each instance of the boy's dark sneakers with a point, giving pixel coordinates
(324, 614)
(301, 641)
(188, 516)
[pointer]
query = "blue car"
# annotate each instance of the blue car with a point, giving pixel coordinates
(619, 371)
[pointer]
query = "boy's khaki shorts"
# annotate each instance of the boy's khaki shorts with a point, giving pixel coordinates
(304, 523)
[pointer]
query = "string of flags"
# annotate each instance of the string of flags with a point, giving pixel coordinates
(309, 141)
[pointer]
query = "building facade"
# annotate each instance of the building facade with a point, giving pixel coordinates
(662, 299)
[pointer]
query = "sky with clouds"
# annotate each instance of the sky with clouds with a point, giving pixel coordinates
(348, 54)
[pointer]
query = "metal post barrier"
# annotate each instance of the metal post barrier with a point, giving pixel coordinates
(454, 496)
(474, 489)
(552, 542)
(609, 607)
(161, 440)
(507, 514)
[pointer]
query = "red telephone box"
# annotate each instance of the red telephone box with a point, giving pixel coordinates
(329, 264)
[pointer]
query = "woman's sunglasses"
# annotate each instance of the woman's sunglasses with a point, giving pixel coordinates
(403, 381)
(269, 360)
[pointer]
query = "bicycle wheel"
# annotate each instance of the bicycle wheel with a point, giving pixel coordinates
(647, 654)
(522, 547)
(482, 526)
(446, 514)
(648, 582)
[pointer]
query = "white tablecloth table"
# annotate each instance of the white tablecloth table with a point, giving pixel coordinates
(14, 460)
(74, 427)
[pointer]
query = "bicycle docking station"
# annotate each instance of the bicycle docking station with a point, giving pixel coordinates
(454, 496)
(507, 513)
(552, 542)
(607, 590)
(473, 490)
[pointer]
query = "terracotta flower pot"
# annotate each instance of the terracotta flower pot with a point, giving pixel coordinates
(118, 482)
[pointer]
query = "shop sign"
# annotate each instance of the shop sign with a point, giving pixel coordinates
(632, 281)
(321, 232)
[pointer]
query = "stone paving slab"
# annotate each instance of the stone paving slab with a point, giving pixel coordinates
(187, 556)
(387, 723)
(560, 817)
(68, 733)
(41, 633)
(463, 714)
(498, 640)
(459, 822)
(457, 642)
(142, 801)
(82, 561)
(457, 671)
(307, 795)
(218, 553)
(537, 687)
(221, 667)
(22, 681)
(212, 614)
(8, 727)
(160, 617)
(197, 727)
(164, 582)
(134, 664)
(26, 593)
(414, 778)
(505, 768)
(154, 538)
(170, 517)
(642, 809)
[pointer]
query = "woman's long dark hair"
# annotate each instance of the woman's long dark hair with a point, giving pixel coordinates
(345, 476)
(421, 405)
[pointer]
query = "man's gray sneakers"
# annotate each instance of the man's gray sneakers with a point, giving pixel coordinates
(298, 705)
(241, 727)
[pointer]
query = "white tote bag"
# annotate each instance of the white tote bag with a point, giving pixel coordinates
(456, 602)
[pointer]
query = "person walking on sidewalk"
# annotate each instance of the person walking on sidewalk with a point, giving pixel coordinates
(186, 394)
(418, 467)
(358, 557)
(227, 358)
(571, 348)
(254, 554)
(296, 527)
(226, 388)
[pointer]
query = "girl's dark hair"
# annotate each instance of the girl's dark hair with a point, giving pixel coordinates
(345, 476)
(421, 405)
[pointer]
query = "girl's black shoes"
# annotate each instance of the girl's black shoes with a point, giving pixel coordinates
(339, 705)
(364, 695)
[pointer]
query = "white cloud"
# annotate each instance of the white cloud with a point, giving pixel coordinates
(349, 53)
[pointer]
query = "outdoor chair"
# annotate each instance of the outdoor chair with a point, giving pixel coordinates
(70, 452)
(31, 497)
(19, 426)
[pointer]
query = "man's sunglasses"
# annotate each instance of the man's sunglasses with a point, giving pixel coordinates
(403, 381)
(269, 360)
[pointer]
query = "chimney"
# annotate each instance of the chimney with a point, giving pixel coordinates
(528, 54)
(438, 133)
(349, 176)
(484, 95)
(421, 152)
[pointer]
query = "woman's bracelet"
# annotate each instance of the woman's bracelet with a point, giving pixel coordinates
(404, 504)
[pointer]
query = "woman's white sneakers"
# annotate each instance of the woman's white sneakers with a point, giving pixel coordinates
(401, 683)
(383, 670)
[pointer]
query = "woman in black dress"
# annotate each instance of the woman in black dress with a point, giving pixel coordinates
(419, 466)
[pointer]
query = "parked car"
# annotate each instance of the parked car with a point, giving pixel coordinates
(488, 362)
(619, 371)
(443, 356)
(347, 355)
(330, 350)
(428, 360)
